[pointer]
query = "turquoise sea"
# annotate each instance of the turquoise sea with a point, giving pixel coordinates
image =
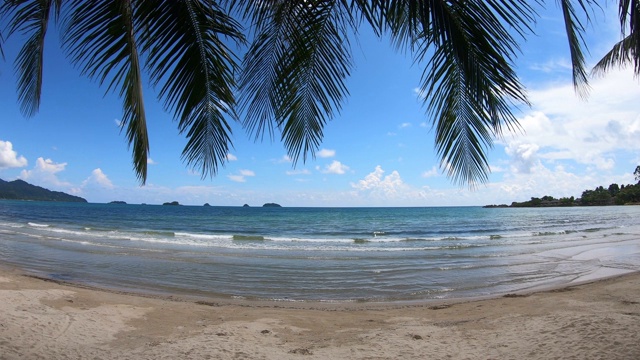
(318, 254)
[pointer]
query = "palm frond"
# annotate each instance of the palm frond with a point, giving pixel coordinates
(1, 43)
(469, 82)
(295, 70)
(574, 28)
(100, 38)
(30, 18)
(627, 50)
(190, 60)
(618, 56)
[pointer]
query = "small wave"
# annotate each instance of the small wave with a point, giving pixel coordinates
(37, 225)
(360, 241)
(203, 236)
(248, 237)
(548, 233)
(495, 237)
(160, 233)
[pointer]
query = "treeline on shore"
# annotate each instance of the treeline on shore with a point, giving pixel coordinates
(613, 195)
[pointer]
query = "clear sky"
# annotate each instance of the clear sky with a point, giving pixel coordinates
(378, 151)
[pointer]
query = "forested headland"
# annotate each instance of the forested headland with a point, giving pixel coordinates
(614, 194)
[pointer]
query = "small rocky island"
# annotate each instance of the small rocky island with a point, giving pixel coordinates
(271, 205)
(173, 203)
(118, 202)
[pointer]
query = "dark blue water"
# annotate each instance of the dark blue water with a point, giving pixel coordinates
(326, 254)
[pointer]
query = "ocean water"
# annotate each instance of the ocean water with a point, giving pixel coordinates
(318, 254)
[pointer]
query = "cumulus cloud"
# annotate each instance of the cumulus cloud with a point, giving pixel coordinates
(9, 158)
(430, 173)
(45, 173)
(336, 167)
(523, 156)
(562, 127)
(231, 157)
(241, 176)
(99, 178)
(405, 125)
(387, 189)
(151, 162)
(326, 153)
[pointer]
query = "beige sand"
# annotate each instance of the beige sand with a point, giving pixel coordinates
(45, 320)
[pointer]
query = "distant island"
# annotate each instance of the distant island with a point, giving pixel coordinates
(173, 203)
(271, 205)
(22, 190)
(118, 202)
(613, 195)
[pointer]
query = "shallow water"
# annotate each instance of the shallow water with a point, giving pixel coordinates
(325, 254)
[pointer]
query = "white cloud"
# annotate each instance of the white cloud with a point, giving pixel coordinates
(242, 176)
(231, 157)
(118, 122)
(9, 158)
(298, 172)
(387, 190)
(98, 178)
(237, 178)
(151, 162)
(552, 66)
(430, 173)
(523, 156)
(326, 153)
(561, 127)
(405, 125)
(336, 167)
(44, 173)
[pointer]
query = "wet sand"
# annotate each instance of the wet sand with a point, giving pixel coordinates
(48, 320)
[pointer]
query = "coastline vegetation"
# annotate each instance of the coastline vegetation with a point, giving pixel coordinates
(600, 196)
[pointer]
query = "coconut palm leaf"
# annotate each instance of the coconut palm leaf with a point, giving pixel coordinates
(628, 49)
(575, 28)
(295, 71)
(469, 84)
(189, 59)
(101, 38)
(31, 18)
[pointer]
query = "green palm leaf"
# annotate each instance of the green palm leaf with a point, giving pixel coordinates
(469, 84)
(574, 28)
(31, 18)
(190, 60)
(100, 38)
(295, 70)
(628, 49)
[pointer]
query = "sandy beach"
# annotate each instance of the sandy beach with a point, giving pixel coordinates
(47, 320)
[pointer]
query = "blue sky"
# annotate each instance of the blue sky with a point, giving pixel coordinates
(378, 151)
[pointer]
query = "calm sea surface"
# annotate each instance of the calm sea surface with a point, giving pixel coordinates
(326, 254)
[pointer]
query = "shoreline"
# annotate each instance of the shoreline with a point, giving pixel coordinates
(52, 320)
(329, 305)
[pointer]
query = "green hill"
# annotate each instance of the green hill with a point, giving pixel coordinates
(22, 190)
